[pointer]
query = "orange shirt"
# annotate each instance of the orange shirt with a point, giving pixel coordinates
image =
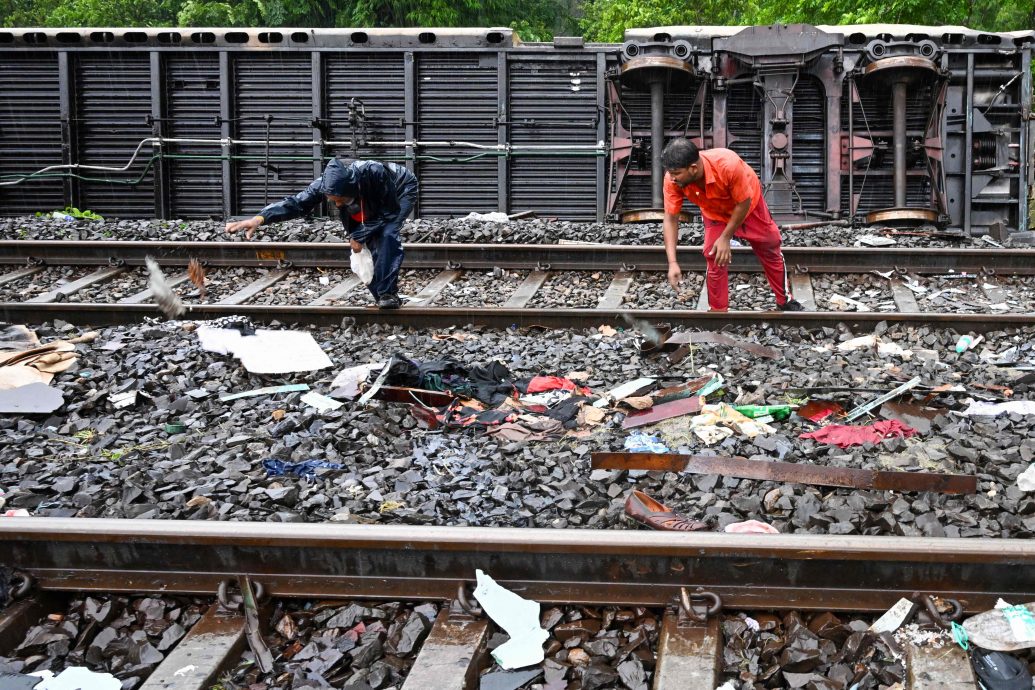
(728, 180)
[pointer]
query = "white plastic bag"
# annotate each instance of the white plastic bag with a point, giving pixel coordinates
(363, 265)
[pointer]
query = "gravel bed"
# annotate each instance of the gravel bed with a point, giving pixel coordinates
(652, 291)
(124, 636)
(411, 282)
(91, 460)
(537, 231)
(1019, 292)
(571, 290)
(38, 283)
(303, 286)
(750, 292)
(337, 644)
(873, 291)
(121, 286)
(481, 288)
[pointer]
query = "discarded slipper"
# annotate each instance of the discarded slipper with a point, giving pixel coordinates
(645, 510)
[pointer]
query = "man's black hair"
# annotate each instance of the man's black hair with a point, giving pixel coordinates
(680, 153)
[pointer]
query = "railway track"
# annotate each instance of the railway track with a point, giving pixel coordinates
(536, 280)
(720, 572)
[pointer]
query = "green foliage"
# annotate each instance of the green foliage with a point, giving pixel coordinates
(607, 20)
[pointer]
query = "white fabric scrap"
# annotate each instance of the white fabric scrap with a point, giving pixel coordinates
(266, 352)
(494, 217)
(350, 378)
(842, 303)
(519, 617)
(120, 400)
(1026, 479)
(79, 678)
(987, 409)
(321, 402)
(186, 670)
(857, 343)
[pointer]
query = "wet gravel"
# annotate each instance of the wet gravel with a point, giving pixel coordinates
(125, 636)
(536, 231)
(91, 460)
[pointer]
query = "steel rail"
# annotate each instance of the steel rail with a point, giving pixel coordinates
(551, 566)
(95, 314)
(556, 257)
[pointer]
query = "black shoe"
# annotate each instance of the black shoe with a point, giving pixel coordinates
(389, 302)
(791, 305)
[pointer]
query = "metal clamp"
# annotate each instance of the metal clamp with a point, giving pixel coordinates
(628, 268)
(234, 602)
(21, 583)
(988, 271)
(540, 266)
(686, 603)
(937, 617)
(798, 268)
(282, 263)
(115, 262)
(454, 265)
(468, 604)
(34, 261)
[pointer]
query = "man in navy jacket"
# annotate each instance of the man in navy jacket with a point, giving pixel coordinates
(373, 201)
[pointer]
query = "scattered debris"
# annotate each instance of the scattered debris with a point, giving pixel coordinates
(167, 300)
(123, 400)
(306, 468)
(725, 415)
(642, 443)
(893, 618)
(346, 384)
(1026, 479)
(78, 678)
(196, 275)
(321, 402)
(1004, 629)
(656, 515)
(750, 527)
(266, 390)
(657, 413)
(842, 303)
(742, 468)
(845, 435)
(987, 409)
(519, 617)
(266, 352)
(880, 400)
(628, 389)
(34, 398)
(916, 416)
(874, 241)
(701, 337)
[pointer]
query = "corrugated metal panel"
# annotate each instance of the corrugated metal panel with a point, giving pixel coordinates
(378, 80)
(280, 85)
(555, 104)
(192, 106)
(744, 120)
(808, 143)
(114, 100)
(30, 131)
(457, 100)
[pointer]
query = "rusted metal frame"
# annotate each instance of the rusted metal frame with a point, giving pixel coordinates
(565, 257)
(452, 655)
(502, 131)
(162, 181)
(801, 288)
(319, 101)
(615, 293)
(601, 177)
(934, 148)
(427, 296)
(226, 113)
(968, 146)
(144, 295)
(255, 287)
(19, 274)
(75, 286)
(526, 290)
(337, 292)
(410, 113)
(742, 468)
(69, 124)
(213, 644)
(564, 566)
(88, 313)
(689, 653)
(620, 160)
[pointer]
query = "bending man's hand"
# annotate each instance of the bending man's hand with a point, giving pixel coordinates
(722, 252)
(675, 274)
(249, 226)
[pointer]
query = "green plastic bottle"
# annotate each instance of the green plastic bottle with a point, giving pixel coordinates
(777, 412)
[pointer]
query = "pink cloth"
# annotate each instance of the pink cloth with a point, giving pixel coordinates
(750, 527)
(541, 384)
(843, 435)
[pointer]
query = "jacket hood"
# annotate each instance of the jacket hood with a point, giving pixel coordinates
(339, 179)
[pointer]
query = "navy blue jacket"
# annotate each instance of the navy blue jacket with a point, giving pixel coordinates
(387, 192)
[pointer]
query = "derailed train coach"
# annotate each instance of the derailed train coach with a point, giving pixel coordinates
(871, 124)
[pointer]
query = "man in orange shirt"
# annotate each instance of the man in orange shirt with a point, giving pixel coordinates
(730, 197)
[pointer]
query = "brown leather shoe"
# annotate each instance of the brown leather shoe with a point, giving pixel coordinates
(645, 510)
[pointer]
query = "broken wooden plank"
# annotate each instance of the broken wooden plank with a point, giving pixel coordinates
(212, 645)
(615, 292)
(819, 475)
(801, 288)
(658, 413)
(255, 287)
(452, 655)
(942, 668)
(529, 286)
(905, 300)
(432, 290)
(75, 286)
(689, 653)
(335, 294)
(146, 295)
(19, 274)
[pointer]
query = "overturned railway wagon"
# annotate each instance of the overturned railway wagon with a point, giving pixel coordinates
(876, 124)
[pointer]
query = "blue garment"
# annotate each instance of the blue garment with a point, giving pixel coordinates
(307, 468)
(386, 193)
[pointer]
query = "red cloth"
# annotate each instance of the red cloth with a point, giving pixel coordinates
(541, 384)
(843, 435)
(760, 231)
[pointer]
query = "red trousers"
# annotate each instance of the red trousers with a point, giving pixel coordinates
(760, 231)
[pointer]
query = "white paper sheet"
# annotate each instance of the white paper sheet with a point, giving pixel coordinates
(519, 617)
